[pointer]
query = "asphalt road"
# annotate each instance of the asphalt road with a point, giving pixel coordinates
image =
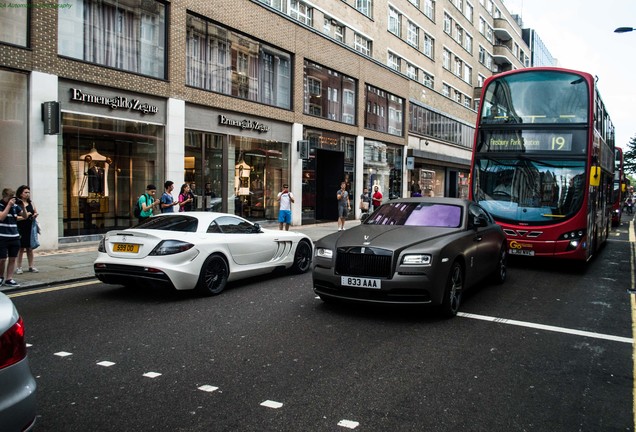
(550, 350)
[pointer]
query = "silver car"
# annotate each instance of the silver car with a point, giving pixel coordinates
(17, 385)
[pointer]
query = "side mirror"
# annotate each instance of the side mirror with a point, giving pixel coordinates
(479, 222)
(364, 217)
(256, 228)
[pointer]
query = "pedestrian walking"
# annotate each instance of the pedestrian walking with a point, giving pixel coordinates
(25, 228)
(9, 236)
(286, 198)
(344, 205)
(147, 203)
(365, 201)
(185, 198)
(167, 201)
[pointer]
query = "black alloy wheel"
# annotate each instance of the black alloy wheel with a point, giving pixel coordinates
(453, 291)
(302, 257)
(499, 275)
(213, 277)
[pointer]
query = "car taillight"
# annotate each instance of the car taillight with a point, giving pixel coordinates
(169, 247)
(12, 345)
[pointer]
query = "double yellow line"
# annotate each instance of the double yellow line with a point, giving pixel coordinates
(56, 288)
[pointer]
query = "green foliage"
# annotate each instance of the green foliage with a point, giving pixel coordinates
(629, 157)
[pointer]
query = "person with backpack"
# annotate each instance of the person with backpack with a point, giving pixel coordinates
(146, 203)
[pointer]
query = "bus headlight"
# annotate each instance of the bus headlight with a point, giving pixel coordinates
(575, 238)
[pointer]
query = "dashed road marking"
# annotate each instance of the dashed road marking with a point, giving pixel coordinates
(207, 388)
(271, 404)
(350, 424)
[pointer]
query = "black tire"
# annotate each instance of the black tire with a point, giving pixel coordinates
(499, 275)
(213, 277)
(302, 257)
(453, 291)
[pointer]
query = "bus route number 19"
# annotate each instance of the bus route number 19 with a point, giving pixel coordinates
(559, 143)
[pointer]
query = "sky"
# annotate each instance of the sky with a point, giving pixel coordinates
(580, 35)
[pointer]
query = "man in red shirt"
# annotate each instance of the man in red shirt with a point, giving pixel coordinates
(377, 197)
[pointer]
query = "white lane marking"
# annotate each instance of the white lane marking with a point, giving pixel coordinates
(547, 327)
(271, 404)
(348, 424)
(208, 388)
(63, 354)
(152, 374)
(106, 363)
(57, 288)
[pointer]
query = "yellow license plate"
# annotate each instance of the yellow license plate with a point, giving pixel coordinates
(125, 247)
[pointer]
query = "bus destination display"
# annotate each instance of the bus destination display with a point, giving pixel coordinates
(528, 141)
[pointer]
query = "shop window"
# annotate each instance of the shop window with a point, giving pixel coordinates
(13, 125)
(258, 169)
(107, 164)
(230, 63)
(129, 35)
(13, 23)
(204, 169)
(379, 102)
(323, 88)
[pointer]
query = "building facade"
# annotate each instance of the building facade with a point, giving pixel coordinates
(101, 97)
(540, 54)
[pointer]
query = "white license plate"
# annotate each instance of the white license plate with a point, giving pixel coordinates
(360, 282)
(521, 252)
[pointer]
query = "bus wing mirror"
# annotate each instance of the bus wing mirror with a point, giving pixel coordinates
(595, 176)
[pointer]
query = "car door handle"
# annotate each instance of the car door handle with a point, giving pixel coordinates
(478, 238)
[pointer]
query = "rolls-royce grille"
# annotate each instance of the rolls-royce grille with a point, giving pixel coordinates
(364, 261)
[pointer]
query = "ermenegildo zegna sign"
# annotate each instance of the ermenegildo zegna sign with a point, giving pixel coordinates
(114, 102)
(243, 124)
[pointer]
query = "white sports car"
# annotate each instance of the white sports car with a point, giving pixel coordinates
(198, 250)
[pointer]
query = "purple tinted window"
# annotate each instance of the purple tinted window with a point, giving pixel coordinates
(435, 215)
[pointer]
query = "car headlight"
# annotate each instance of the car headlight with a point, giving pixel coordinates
(169, 247)
(324, 253)
(417, 259)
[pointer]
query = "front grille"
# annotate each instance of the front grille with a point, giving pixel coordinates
(364, 261)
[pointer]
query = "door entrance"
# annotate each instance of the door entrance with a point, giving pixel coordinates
(329, 175)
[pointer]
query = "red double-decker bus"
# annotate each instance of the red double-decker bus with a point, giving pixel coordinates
(619, 187)
(543, 161)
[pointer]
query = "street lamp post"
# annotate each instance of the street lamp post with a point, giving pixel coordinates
(624, 29)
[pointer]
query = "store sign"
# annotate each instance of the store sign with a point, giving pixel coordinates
(115, 102)
(243, 124)
(51, 117)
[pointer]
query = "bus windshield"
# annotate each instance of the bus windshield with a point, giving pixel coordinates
(536, 97)
(529, 191)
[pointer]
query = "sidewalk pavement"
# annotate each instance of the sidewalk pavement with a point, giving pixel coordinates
(72, 263)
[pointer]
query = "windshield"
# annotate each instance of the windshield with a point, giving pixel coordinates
(536, 97)
(180, 223)
(529, 191)
(417, 214)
